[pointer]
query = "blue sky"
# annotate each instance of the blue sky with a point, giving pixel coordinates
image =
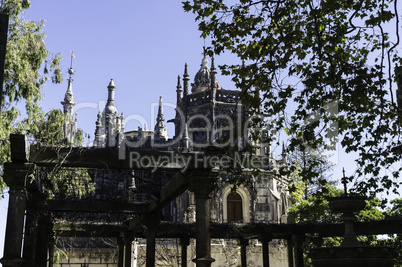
(141, 45)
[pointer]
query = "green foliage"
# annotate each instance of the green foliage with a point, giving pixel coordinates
(63, 183)
(59, 181)
(327, 63)
(315, 208)
(24, 76)
(59, 255)
(50, 130)
(310, 200)
(309, 169)
(394, 212)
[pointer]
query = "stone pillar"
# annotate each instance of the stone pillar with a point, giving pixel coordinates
(290, 252)
(265, 250)
(184, 242)
(243, 251)
(299, 240)
(202, 183)
(31, 231)
(43, 241)
(16, 175)
(120, 244)
(151, 221)
(35, 212)
(52, 244)
(128, 239)
(151, 245)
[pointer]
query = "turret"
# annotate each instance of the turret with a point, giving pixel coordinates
(98, 141)
(214, 84)
(70, 125)
(213, 96)
(186, 81)
(202, 79)
(179, 90)
(284, 154)
(110, 106)
(109, 126)
(160, 132)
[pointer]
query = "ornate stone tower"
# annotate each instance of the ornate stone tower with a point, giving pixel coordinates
(212, 115)
(209, 114)
(109, 125)
(70, 123)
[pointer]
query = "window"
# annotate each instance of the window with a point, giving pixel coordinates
(234, 207)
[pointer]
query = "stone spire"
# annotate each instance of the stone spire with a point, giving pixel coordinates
(284, 153)
(179, 90)
(70, 125)
(110, 106)
(186, 79)
(99, 135)
(160, 127)
(109, 125)
(214, 84)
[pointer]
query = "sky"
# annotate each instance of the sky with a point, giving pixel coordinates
(141, 45)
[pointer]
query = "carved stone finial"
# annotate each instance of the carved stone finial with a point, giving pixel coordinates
(160, 127)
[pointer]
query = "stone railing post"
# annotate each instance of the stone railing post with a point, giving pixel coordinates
(184, 242)
(243, 251)
(151, 221)
(16, 176)
(34, 209)
(202, 183)
(265, 239)
(120, 244)
(128, 240)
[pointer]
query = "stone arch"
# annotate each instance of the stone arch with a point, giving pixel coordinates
(245, 197)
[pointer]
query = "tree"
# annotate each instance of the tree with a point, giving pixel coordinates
(310, 198)
(394, 212)
(315, 209)
(310, 169)
(328, 63)
(309, 194)
(24, 75)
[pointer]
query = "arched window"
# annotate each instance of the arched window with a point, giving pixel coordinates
(234, 207)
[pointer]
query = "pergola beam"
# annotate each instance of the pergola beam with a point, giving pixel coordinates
(97, 206)
(230, 231)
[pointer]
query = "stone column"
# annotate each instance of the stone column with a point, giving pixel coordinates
(290, 252)
(31, 231)
(202, 183)
(52, 244)
(265, 250)
(184, 242)
(151, 245)
(35, 210)
(151, 221)
(43, 240)
(299, 240)
(243, 251)
(16, 175)
(120, 244)
(128, 239)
